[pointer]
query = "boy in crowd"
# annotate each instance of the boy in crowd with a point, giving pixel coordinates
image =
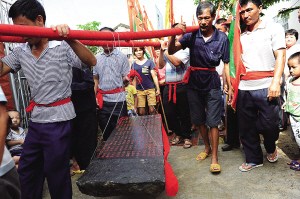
(292, 105)
(131, 98)
(16, 136)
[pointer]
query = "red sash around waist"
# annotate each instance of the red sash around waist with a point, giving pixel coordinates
(192, 68)
(100, 93)
(32, 104)
(170, 84)
(255, 75)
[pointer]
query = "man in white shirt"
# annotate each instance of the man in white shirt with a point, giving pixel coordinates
(258, 107)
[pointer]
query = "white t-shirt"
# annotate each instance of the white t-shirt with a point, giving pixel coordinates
(258, 52)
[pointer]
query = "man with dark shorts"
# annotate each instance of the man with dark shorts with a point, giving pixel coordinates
(208, 47)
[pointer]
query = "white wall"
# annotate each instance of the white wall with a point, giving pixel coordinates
(293, 23)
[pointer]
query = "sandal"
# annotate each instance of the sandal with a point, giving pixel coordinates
(293, 162)
(202, 156)
(215, 168)
(187, 144)
(295, 167)
(249, 166)
(176, 140)
(73, 172)
(272, 157)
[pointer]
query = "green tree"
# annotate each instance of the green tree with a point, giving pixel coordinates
(94, 25)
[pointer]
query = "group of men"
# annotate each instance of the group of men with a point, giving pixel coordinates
(263, 56)
(47, 66)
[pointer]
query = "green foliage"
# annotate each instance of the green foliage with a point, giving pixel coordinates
(284, 13)
(94, 25)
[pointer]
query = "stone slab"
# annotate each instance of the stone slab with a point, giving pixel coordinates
(130, 163)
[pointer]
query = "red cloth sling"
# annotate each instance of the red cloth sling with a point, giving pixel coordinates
(192, 68)
(100, 93)
(171, 179)
(32, 104)
(254, 75)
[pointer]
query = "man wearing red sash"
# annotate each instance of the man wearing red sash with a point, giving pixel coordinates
(47, 66)
(258, 107)
(208, 47)
(111, 69)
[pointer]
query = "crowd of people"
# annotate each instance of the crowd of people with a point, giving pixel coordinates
(72, 91)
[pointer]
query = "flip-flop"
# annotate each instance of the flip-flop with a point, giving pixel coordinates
(73, 172)
(272, 159)
(293, 162)
(295, 167)
(176, 140)
(202, 156)
(250, 166)
(215, 168)
(187, 144)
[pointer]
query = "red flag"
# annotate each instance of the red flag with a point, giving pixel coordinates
(236, 65)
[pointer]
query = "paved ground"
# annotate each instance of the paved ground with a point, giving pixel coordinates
(274, 181)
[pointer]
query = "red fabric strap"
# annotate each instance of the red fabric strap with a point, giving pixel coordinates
(32, 104)
(192, 68)
(171, 179)
(175, 90)
(254, 75)
(100, 93)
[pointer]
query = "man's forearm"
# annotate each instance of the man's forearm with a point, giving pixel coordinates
(3, 129)
(279, 65)
(171, 46)
(161, 61)
(84, 54)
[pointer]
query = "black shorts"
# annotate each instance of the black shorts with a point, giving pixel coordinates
(205, 106)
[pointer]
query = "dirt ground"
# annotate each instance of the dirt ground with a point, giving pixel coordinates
(272, 181)
(288, 145)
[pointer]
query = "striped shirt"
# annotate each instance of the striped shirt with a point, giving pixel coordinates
(110, 69)
(13, 135)
(176, 74)
(49, 78)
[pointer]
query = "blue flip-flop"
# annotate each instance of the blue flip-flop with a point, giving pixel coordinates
(293, 162)
(252, 166)
(295, 167)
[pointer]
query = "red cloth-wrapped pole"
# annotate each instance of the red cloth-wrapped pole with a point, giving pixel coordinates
(34, 31)
(17, 39)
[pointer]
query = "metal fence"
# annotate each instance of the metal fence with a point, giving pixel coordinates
(18, 82)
